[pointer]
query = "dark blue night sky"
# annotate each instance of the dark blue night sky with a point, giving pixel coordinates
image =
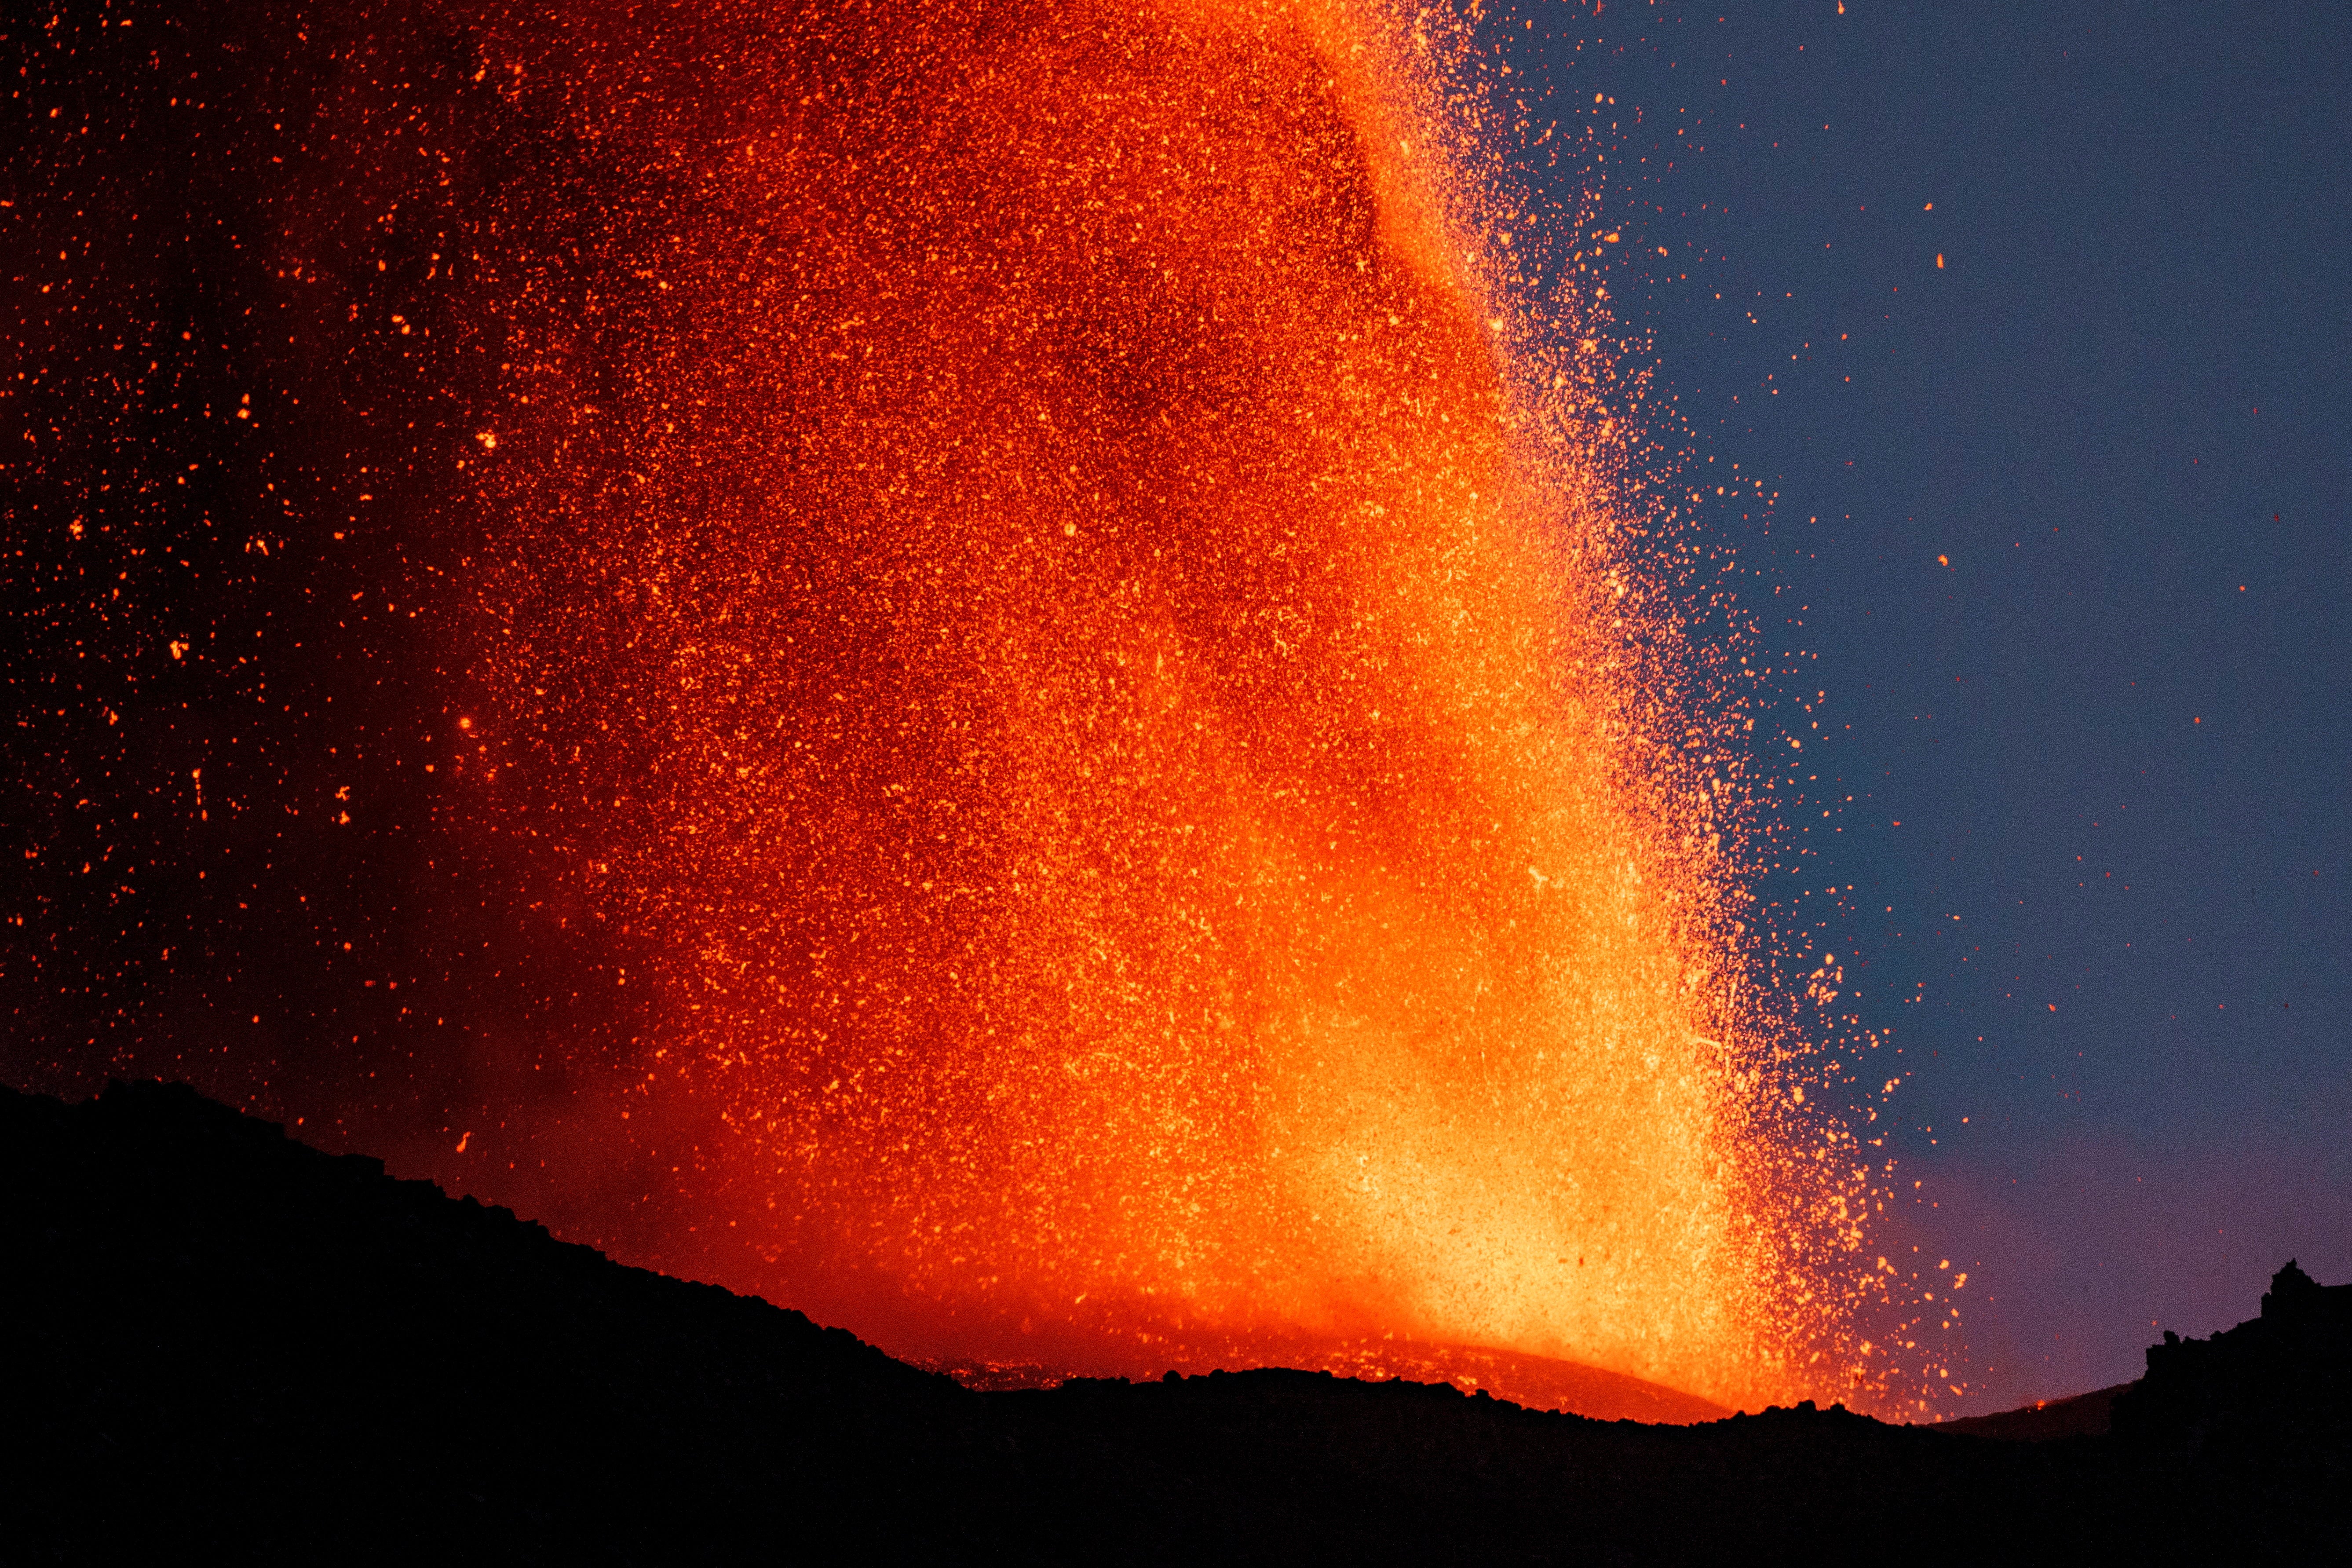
(2076, 598)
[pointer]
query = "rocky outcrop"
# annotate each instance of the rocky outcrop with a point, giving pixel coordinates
(2264, 1409)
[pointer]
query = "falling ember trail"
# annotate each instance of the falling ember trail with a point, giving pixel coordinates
(1083, 706)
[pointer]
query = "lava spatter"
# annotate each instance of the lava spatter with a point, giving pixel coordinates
(1050, 686)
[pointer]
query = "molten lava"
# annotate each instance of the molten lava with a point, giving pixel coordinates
(1028, 601)
(1041, 604)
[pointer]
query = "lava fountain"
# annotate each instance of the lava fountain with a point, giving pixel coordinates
(1088, 711)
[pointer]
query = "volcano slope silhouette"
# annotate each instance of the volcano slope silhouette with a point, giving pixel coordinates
(221, 1344)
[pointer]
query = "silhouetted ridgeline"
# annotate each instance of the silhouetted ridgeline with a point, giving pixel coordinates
(221, 1344)
(2263, 1404)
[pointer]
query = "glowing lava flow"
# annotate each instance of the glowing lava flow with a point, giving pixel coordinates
(1038, 601)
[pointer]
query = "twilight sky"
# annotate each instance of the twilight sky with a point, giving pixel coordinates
(2111, 930)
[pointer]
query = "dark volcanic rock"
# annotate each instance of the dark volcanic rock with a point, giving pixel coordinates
(220, 1343)
(223, 1343)
(2264, 1407)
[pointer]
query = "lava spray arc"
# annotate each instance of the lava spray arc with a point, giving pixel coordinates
(1128, 770)
(1076, 658)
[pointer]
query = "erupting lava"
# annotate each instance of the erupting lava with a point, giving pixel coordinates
(1020, 601)
(1064, 637)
